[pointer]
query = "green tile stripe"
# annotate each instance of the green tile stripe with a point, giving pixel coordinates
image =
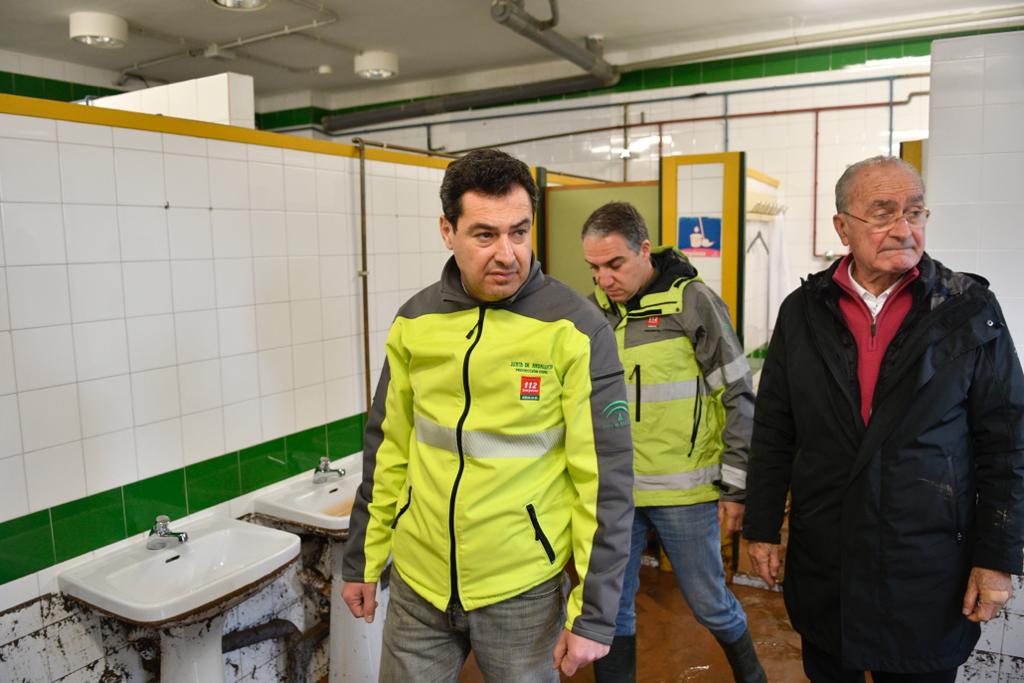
(49, 88)
(41, 539)
(716, 71)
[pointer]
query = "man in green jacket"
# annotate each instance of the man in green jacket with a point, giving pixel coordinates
(497, 447)
(691, 404)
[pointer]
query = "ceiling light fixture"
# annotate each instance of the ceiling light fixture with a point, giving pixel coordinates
(98, 29)
(243, 5)
(376, 64)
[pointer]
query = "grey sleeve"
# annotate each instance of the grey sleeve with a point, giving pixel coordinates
(706, 323)
(602, 578)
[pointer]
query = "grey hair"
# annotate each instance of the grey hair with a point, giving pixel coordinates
(620, 218)
(845, 181)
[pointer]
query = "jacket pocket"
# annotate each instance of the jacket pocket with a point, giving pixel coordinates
(636, 373)
(954, 507)
(538, 534)
(697, 414)
(401, 512)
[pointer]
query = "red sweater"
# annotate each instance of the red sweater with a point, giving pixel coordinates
(872, 337)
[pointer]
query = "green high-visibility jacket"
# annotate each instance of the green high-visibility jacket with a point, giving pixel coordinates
(498, 446)
(689, 387)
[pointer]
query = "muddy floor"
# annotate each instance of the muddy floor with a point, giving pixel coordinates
(673, 648)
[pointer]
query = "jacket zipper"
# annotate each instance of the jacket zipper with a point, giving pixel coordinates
(538, 534)
(479, 328)
(636, 373)
(401, 512)
(697, 410)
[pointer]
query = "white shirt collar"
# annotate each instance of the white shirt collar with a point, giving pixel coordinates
(874, 303)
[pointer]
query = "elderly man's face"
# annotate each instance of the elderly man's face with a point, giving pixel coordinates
(882, 253)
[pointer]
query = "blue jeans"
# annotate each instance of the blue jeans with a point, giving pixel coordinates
(512, 639)
(689, 534)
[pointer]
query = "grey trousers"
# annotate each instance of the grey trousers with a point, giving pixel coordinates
(512, 640)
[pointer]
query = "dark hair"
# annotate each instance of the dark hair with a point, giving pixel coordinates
(845, 182)
(620, 218)
(488, 171)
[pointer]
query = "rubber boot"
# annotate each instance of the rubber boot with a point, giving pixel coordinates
(619, 665)
(746, 667)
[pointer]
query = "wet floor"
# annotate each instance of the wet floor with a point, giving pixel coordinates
(673, 648)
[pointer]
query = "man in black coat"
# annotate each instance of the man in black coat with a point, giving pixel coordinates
(891, 409)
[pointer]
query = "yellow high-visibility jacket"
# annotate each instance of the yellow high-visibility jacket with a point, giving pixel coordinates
(689, 387)
(497, 446)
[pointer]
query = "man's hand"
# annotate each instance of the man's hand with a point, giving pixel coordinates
(987, 592)
(730, 516)
(765, 559)
(573, 651)
(361, 599)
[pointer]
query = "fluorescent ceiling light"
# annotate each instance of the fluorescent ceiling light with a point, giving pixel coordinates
(98, 29)
(376, 64)
(244, 5)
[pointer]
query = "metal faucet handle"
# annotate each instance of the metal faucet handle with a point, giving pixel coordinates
(324, 471)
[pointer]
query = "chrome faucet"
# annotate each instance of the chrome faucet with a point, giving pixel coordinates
(324, 473)
(160, 535)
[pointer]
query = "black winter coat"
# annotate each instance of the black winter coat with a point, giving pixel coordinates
(887, 519)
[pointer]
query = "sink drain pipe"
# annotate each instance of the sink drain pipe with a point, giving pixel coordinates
(299, 646)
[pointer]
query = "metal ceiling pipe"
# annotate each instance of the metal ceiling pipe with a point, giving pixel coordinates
(963, 20)
(197, 51)
(460, 101)
(510, 13)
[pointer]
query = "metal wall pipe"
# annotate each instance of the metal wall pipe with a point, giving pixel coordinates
(649, 100)
(694, 119)
(364, 273)
(460, 101)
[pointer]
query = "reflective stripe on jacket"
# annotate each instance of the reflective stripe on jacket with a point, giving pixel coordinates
(497, 446)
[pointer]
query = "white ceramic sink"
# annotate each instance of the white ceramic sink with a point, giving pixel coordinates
(221, 559)
(325, 506)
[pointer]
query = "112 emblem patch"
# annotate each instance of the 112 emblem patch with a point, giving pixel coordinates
(529, 388)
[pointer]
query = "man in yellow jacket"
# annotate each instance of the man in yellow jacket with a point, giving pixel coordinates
(497, 447)
(691, 405)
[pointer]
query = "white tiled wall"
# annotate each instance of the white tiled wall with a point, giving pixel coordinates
(779, 144)
(974, 171)
(31, 65)
(166, 299)
(225, 98)
(975, 164)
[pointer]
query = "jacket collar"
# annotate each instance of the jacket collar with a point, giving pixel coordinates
(933, 279)
(452, 289)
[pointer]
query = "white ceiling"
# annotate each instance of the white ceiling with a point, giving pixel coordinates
(435, 39)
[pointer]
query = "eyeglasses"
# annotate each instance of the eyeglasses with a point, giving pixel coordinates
(884, 220)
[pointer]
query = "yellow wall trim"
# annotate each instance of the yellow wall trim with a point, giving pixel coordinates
(911, 152)
(561, 179)
(62, 111)
(763, 177)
